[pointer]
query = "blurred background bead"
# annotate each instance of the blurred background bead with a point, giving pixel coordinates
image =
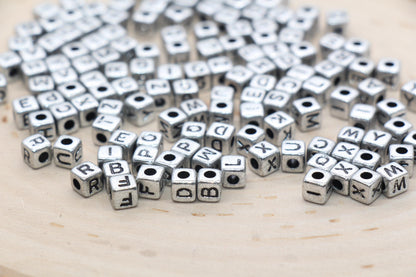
(112, 107)
(139, 109)
(330, 42)
(359, 70)
(337, 21)
(388, 71)
(362, 116)
(358, 46)
(342, 101)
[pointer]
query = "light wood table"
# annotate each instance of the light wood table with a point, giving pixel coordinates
(265, 229)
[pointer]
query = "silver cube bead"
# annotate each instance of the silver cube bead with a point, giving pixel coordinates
(305, 51)
(342, 101)
(276, 101)
(389, 108)
(103, 127)
(301, 72)
(321, 161)
(187, 148)
(66, 118)
(398, 128)
(200, 72)
(285, 61)
(320, 145)
(378, 142)
(317, 186)
(209, 48)
(139, 109)
(206, 157)
(293, 156)
(42, 122)
(279, 126)
(194, 131)
(219, 66)
(395, 179)
(359, 70)
(251, 113)
(148, 50)
(115, 70)
(150, 138)
(36, 151)
(205, 29)
(220, 136)
(67, 151)
(233, 171)
(367, 159)
(86, 179)
(184, 184)
(87, 106)
(195, 110)
(109, 153)
(184, 89)
(123, 192)
(10, 66)
(388, 71)
(238, 77)
(150, 181)
(342, 58)
(111, 107)
(125, 139)
(143, 155)
(342, 173)
(170, 123)
(50, 98)
(170, 160)
(403, 155)
(264, 158)
(221, 111)
(114, 168)
(246, 137)
(307, 113)
(125, 87)
(331, 71)
(317, 87)
(330, 42)
(344, 151)
(161, 92)
(209, 185)
(351, 134)
(263, 81)
(366, 186)
(337, 21)
(290, 86)
(71, 90)
(407, 95)
(223, 93)
(363, 116)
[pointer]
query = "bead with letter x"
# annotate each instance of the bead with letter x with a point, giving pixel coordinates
(376, 189)
(263, 148)
(272, 164)
(346, 150)
(343, 168)
(358, 191)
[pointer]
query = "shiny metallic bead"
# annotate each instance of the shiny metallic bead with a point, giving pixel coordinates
(115, 70)
(205, 29)
(175, 14)
(398, 128)
(86, 179)
(265, 25)
(233, 168)
(220, 136)
(67, 151)
(279, 13)
(109, 153)
(238, 77)
(32, 54)
(337, 21)
(366, 186)
(170, 160)
(123, 192)
(66, 118)
(362, 116)
(293, 156)
(321, 161)
(252, 113)
(395, 179)
(309, 12)
(36, 151)
(367, 159)
(173, 33)
(200, 72)
(185, 89)
(301, 72)
(223, 93)
(262, 81)
(184, 184)
(209, 48)
(88, 24)
(402, 154)
(291, 36)
(411, 140)
(111, 107)
(276, 101)
(148, 51)
(94, 41)
(10, 66)
(372, 91)
(105, 55)
(331, 71)
(305, 51)
(17, 44)
(41, 83)
(407, 95)
(351, 134)
(3, 89)
(320, 145)
(342, 58)
(50, 98)
(125, 87)
(150, 138)
(94, 9)
(103, 127)
(246, 137)
(122, 5)
(264, 158)
(21, 109)
(206, 9)
(389, 108)
(284, 61)
(178, 51)
(249, 53)
(170, 72)
(307, 113)
(316, 186)
(125, 139)
(358, 46)
(252, 95)
(187, 148)
(262, 66)
(342, 101)
(50, 24)
(359, 70)
(103, 91)
(33, 68)
(57, 62)
(85, 64)
(209, 185)
(240, 28)
(272, 51)
(264, 38)
(145, 21)
(194, 131)
(331, 42)
(139, 109)
(195, 110)
(45, 10)
(226, 16)
(206, 157)
(74, 50)
(378, 142)
(126, 46)
(42, 122)
(70, 15)
(150, 181)
(170, 123)
(221, 110)
(388, 71)
(344, 151)
(289, 85)
(161, 93)
(143, 155)
(64, 75)
(305, 25)
(317, 87)
(114, 168)
(51, 42)
(218, 67)
(114, 17)
(342, 173)
(113, 31)
(279, 126)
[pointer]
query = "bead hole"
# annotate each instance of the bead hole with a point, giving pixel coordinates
(76, 184)
(69, 124)
(392, 104)
(254, 163)
(139, 98)
(344, 92)
(233, 179)
(173, 114)
(66, 141)
(293, 163)
(70, 87)
(101, 138)
(102, 89)
(43, 157)
(40, 117)
(366, 175)
(169, 157)
(307, 104)
(150, 171)
(221, 105)
(251, 131)
(366, 156)
(210, 174)
(401, 150)
(317, 175)
(337, 184)
(398, 123)
(183, 174)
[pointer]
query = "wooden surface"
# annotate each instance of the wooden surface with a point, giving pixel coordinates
(266, 229)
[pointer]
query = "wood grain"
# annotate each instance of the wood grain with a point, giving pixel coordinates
(265, 229)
